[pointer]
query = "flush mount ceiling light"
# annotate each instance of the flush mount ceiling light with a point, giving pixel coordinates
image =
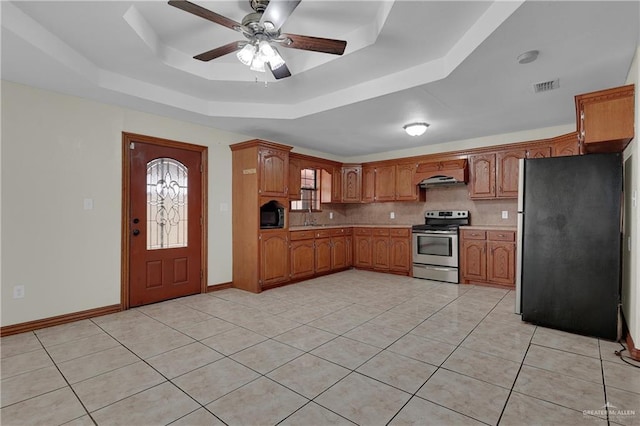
(415, 129)
(528, 56)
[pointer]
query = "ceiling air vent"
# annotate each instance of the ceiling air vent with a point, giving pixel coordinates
(545, 86)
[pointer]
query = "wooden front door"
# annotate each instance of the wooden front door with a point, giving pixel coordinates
(164, 214)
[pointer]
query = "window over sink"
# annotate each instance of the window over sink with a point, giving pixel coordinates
(309, 191)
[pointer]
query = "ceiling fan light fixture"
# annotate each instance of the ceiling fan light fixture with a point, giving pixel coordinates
(528, 56)
(276, 60)
(415, 129)
(258, 63)
(246, 54)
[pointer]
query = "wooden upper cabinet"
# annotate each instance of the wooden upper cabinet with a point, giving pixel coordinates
(351, 184)
(406, 190)
(482, 176)
(336, 185)
(507, 167)
(274, 172)
(606, 119)
(565, 145)
(368, 184)
(385, 183)
(539, 152)
(294, 179)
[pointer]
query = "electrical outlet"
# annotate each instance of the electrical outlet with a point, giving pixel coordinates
(330, 215)
(87, 203)
(18, 292)
(505, 214)
(392, 215)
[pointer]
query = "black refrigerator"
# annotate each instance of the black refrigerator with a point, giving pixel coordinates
(568, 273)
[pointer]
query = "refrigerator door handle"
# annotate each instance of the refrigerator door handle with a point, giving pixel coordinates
(521, 167)
(518, 304)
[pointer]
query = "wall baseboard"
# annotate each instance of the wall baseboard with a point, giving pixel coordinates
(218, 287)
(58, 320)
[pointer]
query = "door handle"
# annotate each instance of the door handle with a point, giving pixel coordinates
(136, 232)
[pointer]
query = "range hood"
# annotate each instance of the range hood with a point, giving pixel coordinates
(441, 173)
(439, 181)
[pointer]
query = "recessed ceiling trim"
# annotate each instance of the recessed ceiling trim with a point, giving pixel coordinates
(31, 31)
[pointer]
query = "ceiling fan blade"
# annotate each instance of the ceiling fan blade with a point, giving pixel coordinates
(206, 14)
(278, 11)
(316, 44)
(280, 72)
(220, 51)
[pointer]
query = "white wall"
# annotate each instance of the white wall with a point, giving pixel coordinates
(630, 285)
(58, 150)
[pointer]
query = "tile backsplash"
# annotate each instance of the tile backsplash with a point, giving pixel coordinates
(482, 212)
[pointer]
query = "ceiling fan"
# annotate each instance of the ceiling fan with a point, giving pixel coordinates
(261, 28)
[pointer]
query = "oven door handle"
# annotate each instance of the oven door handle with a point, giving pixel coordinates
(435, 268)
(435, 232)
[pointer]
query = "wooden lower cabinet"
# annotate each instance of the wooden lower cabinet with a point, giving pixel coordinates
(383, 249)
(363, 248)
(488, 256)
(400, 250)
(323, 255)
(302, 259)
(274, 258)
(316, 252)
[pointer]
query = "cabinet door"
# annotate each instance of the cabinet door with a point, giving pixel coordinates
(482, 176)
(566, 145)
(274, 257)
(501, 263)
(368, 184)
(539, 152)
(380, 253)
(336, 185)
(323, 255)
(400, 256)
(274, 172)
(294, 180)
(362, 251)
(338, 253)
(351, 184)
(507, 172)
(405, 189)
(473, 260)
(349, 254)
(606, 119)
(302, 259)
(385, 183)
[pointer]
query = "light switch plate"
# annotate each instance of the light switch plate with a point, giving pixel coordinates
(88, 203)
(505, 214)
(392, 215)
(330, 215)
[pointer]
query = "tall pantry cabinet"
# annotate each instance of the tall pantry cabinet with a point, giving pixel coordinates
(260, 174)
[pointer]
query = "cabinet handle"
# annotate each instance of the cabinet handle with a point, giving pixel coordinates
(501, 235)
(473, 234)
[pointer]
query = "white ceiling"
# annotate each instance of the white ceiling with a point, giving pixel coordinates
(449, 63)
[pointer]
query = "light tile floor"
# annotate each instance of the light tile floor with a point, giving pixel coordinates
(353, 347)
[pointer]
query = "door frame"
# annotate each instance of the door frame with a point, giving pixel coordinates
(127, 139)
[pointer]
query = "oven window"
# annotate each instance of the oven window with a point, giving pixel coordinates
(434, 245)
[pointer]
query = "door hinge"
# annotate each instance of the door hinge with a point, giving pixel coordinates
(201, 168)
(132, 145)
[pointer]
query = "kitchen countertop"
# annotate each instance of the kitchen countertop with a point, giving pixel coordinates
(368, 225)
(490, 227)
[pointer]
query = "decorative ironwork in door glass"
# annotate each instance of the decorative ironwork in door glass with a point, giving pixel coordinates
(166, 204)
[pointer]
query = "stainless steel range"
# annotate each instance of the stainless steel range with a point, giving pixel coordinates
(435, 245)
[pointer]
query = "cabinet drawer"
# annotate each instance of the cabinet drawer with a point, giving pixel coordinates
(395, 232)
(337, 232)
(475, 234)
(362, 231)
(323, 233)
(301, 235)
(502, 236)
(381, 232)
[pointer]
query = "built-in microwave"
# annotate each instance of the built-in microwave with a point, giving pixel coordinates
(272, 215)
